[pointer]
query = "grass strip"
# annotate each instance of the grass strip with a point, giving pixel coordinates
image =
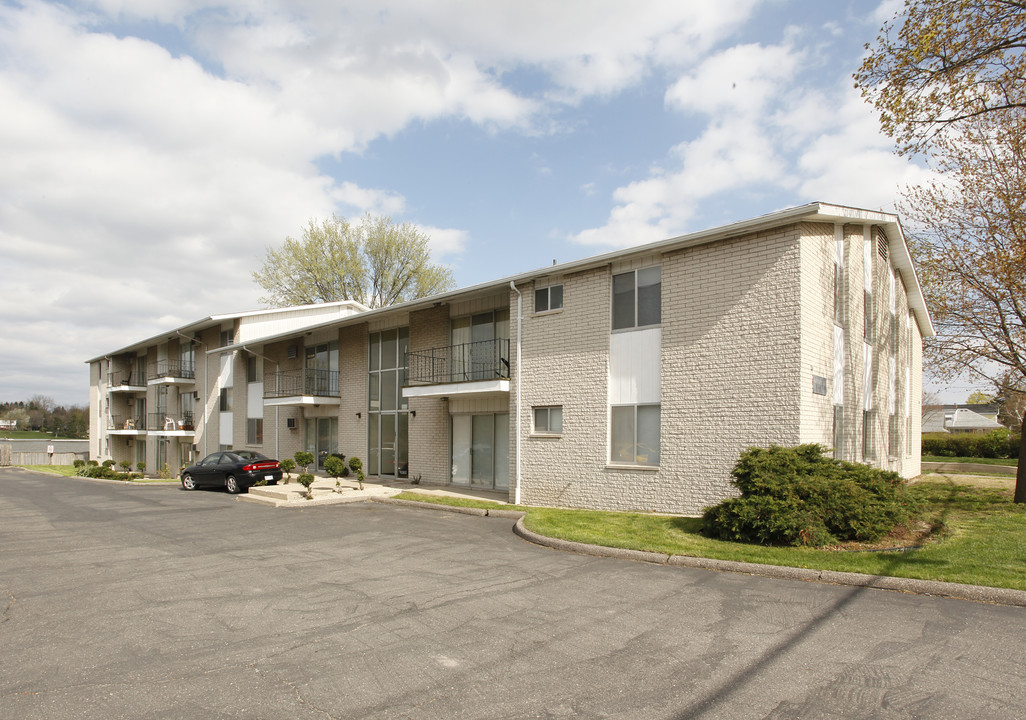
(979, 538)
(976, 461)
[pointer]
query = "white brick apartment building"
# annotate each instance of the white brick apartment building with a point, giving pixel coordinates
(627, 381)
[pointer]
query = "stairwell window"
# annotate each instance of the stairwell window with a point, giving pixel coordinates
(637, 298)
(634, 436)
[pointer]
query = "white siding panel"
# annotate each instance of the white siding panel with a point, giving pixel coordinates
(226, 428)
(634, 367)
(867, 376)
(255, 400)
(226, 377)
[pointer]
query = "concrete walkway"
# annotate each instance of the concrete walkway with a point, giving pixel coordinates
(328, 491)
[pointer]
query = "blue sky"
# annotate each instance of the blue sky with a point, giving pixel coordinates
(154, 149)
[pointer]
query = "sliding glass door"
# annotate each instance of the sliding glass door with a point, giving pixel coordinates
(480, 450)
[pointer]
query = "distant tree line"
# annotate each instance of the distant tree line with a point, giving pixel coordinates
(41, 413)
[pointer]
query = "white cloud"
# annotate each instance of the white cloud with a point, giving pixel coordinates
(445, 242)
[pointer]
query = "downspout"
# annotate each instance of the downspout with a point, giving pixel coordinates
(520, 323)
(277, 379)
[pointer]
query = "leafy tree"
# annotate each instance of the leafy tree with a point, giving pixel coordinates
(968, 233)
(979, 398)
(375, 262)
(940, 63)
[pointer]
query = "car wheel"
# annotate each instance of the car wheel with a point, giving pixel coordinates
(231, 484)
(188, 483)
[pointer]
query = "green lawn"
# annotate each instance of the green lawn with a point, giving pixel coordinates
(980, 537)
(26, 435)
(65, 470)
(979, 461)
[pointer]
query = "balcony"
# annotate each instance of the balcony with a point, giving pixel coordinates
(176, 424)
(126, 425)
(125, 381)
(172, 372)
(301, 387)
(478, 368)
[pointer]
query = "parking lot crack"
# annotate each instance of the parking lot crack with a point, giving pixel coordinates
(296, 692)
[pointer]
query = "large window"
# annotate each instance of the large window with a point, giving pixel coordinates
(635, 434)
(254, 431)
(225, 404)
(388, 419)
(637, 298)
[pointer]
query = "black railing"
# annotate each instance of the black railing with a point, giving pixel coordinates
(125, 377)
(485, 360)
(182, 369)
(126, 422)
(170, 421)
(289, 383)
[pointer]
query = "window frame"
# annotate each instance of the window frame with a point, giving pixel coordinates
(635, 295)
(547, 292)
(548, 412)
(634, 462)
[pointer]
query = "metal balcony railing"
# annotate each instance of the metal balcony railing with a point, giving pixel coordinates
(125, 377)
(173, 369)
(291, 383)
(466, 362)
(126, 422)
(170, 421)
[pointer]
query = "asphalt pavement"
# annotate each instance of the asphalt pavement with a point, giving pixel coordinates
(149, 602)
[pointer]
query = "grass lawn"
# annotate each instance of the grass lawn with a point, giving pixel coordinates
(26, 435)
(979, 461)
(979, 537)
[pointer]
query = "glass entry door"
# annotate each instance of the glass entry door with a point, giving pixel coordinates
(321, 438)
(480, 450)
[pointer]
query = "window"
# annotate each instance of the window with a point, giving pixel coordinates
(548, 420)
(254, 370)
(868, 452)
(255, 431)
(637, 298)
(634, 431)
(226, 400)
(548, 298)
(227, 338)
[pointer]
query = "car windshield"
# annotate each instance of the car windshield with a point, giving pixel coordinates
(250, 455)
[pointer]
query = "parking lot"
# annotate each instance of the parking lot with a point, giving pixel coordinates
(150, 602)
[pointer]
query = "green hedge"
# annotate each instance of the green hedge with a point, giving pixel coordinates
(798, 496)
(995, 444)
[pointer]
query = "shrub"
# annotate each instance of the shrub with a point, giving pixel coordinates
(92, 463)
(126, 465)
(79, 463)
(356, 465)
(798, 496)
(108, 463)
(165, 472)
(287, 466)
(995, 444)
(304, 460)
(141, 467)
(306, 480)
(334, 466)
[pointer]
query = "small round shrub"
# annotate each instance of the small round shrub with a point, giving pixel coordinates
(108, 463)
(334, 466)
(306, 480)
(79, 463)
(141, 467)
(304, 459)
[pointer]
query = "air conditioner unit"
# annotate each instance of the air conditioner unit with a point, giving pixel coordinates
(290, 423)
(293, 352)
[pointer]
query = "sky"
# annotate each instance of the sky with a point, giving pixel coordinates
(151, 151)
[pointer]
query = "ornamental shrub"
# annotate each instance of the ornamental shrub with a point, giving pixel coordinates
(334, 466)
(306, 480)
(799, 496)
(994, 444)
(287, 466)
(304, 459)
(79, 463)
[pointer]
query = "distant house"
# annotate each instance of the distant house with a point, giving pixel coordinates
(958, 419)
(8, 424)
(626, 381)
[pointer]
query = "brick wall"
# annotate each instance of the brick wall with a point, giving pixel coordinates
(429, 430)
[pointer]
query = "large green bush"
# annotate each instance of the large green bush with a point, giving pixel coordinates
(995, 444)
(799, 496)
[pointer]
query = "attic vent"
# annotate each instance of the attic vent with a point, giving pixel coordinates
(293, 352)
(881, 245)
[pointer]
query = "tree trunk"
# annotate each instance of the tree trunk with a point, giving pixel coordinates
(1020, 474)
